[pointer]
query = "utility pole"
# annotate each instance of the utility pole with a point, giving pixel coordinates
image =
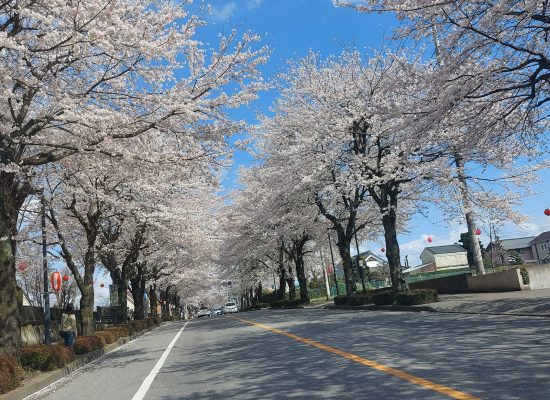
(333, 265)
(47, 337)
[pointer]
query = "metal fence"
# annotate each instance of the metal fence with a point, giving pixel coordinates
(35, 315)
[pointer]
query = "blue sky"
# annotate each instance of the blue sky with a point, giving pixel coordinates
(291, 28)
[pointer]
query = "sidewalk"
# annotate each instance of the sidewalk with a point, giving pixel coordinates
(527, 303)
(40, 380)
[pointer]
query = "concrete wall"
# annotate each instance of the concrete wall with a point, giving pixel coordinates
(504, 281)
(32, 335)
(450, 260)
(539, 276)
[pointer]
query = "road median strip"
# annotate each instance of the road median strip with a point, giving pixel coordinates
(450, 392)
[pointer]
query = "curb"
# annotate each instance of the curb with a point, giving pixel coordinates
(45, 379)
(394, 307)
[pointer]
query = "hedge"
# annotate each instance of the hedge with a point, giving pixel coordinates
(285, 304)
(11, 374)
(87, 344)
(350, 301)
(386, 297)
(45, 358)
(417, 296)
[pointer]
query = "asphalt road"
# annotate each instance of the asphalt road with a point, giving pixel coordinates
(321, 354)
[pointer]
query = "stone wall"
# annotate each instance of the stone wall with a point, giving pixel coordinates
(539, 276)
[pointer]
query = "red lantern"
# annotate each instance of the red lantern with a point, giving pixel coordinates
(478, 232)
(22, 266)
(382, 249)
(56, 281)
(430, 239)
(65, 278)
(102, 285)
(547, 212)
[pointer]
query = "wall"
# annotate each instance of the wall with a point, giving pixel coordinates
(451, 260)
(541, 250)
(539, 276)
(427, 257)
(504, 281)
(32, 335)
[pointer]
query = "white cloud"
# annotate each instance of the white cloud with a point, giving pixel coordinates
(225, 12)
(253, 4)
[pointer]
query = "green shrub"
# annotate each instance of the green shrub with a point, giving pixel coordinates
(524, 275)
(355, 301)
(385, 297)
(285, 304)
(415, 297)
(11, 374)
(340, 300)
(87, 344)
(45, 358)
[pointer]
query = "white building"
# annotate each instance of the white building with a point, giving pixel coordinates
(445, 257)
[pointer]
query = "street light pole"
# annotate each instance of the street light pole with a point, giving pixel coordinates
(47, 337)
(333, 266)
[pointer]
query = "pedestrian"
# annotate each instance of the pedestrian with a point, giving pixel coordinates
(68, 326)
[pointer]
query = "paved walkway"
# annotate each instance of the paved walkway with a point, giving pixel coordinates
(529, 303)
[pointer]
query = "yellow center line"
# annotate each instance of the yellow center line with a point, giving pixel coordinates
(452, 393)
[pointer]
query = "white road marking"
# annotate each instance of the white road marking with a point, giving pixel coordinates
(142, 391)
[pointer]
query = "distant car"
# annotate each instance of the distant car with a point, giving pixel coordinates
(217, 311)
(230, 307)
(204, 312)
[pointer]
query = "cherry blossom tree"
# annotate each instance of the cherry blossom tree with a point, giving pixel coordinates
(348, 131)
(91, 77)
(503, 45)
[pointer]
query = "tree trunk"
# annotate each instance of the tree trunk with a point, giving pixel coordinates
(282, 284)
(87, 308)
(138, 294)
(343, 245)
(300, 271)
(153, 299)
(469, 216)
(11, 200)
(291, 288)
(392, 250)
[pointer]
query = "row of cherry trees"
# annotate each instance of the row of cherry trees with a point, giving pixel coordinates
(363, 142)
(117, 114)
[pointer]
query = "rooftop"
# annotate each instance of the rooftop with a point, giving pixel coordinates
(517, 243)
(544, 236)
(451, 248)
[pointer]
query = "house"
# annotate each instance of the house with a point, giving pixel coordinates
(521, 246)
(540, 246)
(374, 262)
(445, 257)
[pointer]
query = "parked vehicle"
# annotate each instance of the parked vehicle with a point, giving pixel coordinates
(217, 311)
(230, 307)
(204, 312)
